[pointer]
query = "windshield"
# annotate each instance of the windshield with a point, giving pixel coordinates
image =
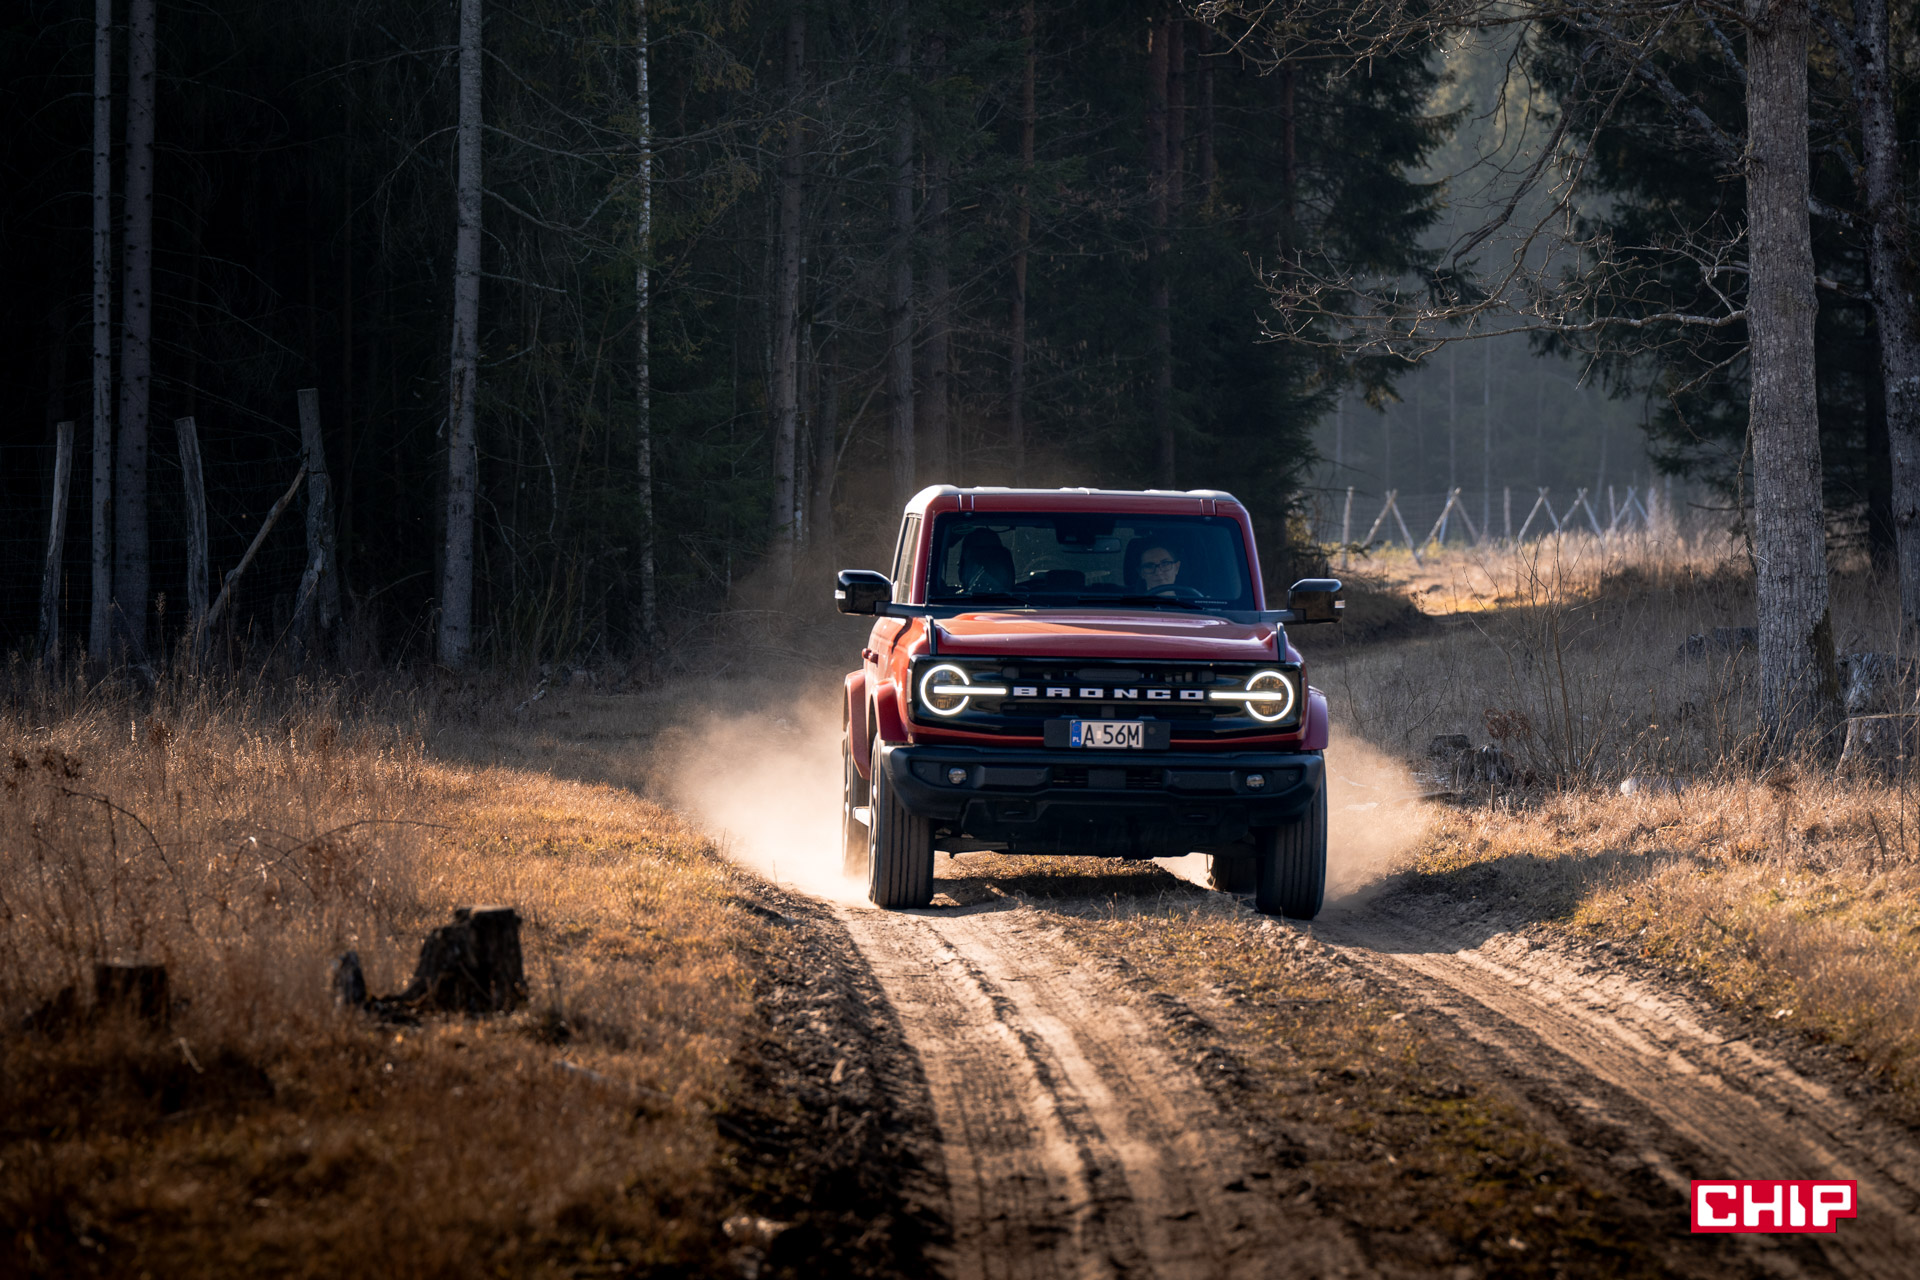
(1090, 558)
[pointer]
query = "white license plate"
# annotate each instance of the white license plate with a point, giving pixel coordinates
(1110, 734)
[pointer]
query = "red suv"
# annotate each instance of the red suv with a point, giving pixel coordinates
(1083, 671)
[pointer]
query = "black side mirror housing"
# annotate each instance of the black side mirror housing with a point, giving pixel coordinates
(861, 591)
(1315, 600)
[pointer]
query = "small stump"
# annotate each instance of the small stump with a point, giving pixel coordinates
(470, 966)
(1879, 745)
(136, 992)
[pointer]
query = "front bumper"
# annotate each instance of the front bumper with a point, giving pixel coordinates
(1129, 804)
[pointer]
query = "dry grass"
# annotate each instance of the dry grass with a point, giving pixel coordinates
(1793, 894)
(244, 840)
(1796, 904)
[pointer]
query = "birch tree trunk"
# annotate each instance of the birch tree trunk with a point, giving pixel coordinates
(1160, 323)
(786, 309)
(1799, 685)
(934, 423)
(1023, 232)
(99, 625)
(130, 570)
(643, 302)
(463, 462)
(56, 543)
(826, 431)
(900, 255)
(1888, 266)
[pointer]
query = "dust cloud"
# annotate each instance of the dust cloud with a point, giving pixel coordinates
(765, 779)
(1373, 820)
(760, 767)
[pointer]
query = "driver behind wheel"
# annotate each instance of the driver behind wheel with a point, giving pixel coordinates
(1156, 567)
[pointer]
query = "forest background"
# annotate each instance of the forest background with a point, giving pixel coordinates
(748, 273)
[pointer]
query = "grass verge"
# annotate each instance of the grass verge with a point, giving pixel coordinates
(244, 840)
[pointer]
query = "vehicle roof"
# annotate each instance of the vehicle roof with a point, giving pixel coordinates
(946, 497)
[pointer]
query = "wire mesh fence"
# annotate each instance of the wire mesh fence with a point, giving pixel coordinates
(1355, 517)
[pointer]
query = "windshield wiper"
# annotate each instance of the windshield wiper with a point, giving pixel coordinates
(979, 597)
(1156, 602)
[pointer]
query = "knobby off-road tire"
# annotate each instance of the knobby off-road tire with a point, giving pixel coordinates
(1233, 872)
(853, 832)
(899, 847)
(1293, 865)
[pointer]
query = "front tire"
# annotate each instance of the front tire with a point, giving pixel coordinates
(1293, 863)
(899, 846)
(853, 832)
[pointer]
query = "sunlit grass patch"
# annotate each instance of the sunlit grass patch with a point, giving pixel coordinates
(1794, 902)
(245, 841)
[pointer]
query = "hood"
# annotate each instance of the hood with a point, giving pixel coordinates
(1107, 633)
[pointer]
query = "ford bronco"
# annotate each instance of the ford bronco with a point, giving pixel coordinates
(1082, 671)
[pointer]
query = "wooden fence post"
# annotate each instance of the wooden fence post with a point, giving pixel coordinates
(196, 493)
(56, 543)
(1346, 527)
(317, 607)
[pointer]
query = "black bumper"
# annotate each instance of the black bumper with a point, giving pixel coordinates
(1128, 804)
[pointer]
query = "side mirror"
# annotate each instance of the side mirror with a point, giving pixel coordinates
(1316, 600)
(861, 591)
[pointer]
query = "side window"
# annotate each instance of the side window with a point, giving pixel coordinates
(903, 558)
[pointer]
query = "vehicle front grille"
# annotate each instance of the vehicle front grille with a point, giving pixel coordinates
(1109, 779)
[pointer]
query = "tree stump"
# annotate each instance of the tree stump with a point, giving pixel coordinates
(470, 966)
(1880, 745)
(349, 981)
(134, 991)
(1875, 683)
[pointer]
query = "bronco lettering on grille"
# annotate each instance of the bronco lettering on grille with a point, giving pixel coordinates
(1088, 694)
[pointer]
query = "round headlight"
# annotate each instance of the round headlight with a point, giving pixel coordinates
(945, 689)
(1269, 709)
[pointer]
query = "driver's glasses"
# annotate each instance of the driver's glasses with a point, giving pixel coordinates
(1157, 566)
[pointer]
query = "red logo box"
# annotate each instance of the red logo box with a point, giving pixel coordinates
(1756, 1205)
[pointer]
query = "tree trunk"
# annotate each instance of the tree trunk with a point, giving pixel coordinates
(130, 570)
(56, 543)
(643, 363)
(1888, 266)
(900, 255)
(1160, 322)
(196, 496)
(463, 461)
(826, 434)
(1023, 231)
(1799, 685)
(1204, 63)
(99, 625)
(786, 309)
(933, 425)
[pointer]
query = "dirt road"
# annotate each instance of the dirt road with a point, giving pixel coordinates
(1080, 1140)
(1074, 1143)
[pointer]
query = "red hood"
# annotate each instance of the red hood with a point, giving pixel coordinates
(1106, 633)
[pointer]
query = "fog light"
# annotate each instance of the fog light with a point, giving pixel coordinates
(1255, 781)
(956, 775)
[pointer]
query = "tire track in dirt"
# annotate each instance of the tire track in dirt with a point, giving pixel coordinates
(1075, 1144)
(1583, 1037)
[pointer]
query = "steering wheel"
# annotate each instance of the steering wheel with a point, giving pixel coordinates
(1175, 591)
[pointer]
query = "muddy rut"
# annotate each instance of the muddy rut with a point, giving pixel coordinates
(1078, 1143)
